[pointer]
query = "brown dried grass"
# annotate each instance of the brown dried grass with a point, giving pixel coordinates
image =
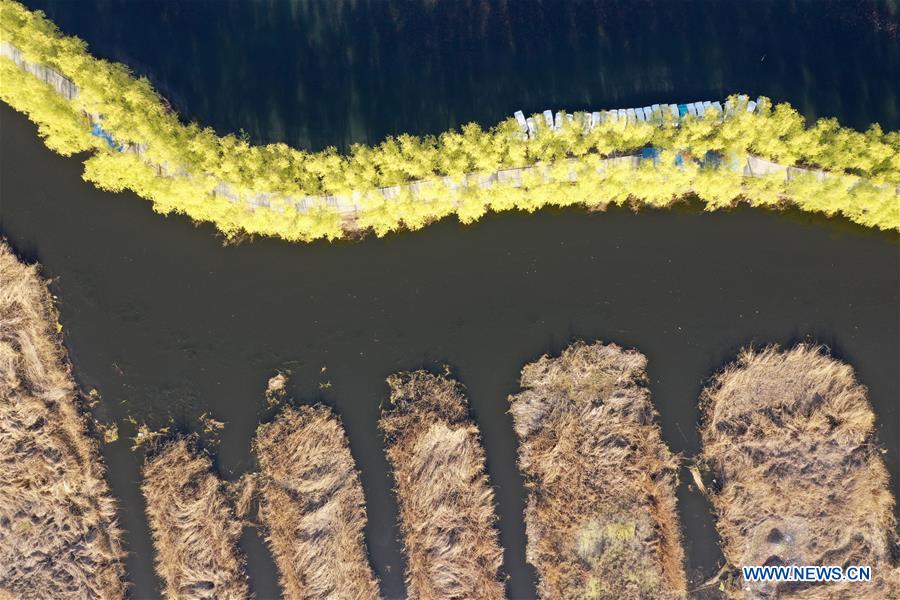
(446, 503)
(313, 507)
(600, 516)
(58, 532)
(790, 439)
(195, 530)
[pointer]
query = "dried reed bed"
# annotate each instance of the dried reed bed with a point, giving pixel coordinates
(313, 507)
(195, 531)
(446, 504)
(600, 514)
(790, 439)
(58, 532)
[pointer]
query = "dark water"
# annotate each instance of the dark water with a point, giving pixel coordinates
(330, 72)
(164, 320)
(167, 323)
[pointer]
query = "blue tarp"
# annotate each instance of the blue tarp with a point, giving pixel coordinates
(654, 153)
(682, 110)
(712, 159)
(99, 132)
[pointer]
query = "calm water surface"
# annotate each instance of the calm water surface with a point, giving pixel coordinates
(331, 72)
(167, 323)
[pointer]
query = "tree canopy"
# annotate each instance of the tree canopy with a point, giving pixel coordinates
(178, 165)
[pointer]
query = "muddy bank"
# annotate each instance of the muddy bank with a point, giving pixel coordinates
(312, 505)
(59, 537)
(798, 476)
(195, 530)
(600, 515)
(446, 503)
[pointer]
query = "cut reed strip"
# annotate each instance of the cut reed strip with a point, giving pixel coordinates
(312, 506)
(600, 516)
(58, 532)
(790, 439)
(195, 530)
(446, 504)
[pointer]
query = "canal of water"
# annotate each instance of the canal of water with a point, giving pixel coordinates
(167, 323)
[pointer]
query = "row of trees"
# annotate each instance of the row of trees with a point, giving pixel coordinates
(65, 129)
(133, 113)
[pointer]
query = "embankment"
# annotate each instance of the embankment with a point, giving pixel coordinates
(790, 439)
(312, 505)
(601, 513)
(446, 504)
(58, 532)
(195, 530)
(81, 103)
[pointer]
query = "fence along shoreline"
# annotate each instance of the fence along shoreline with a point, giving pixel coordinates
(348, 207)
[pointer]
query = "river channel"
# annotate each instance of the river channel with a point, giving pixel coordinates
(169, 323)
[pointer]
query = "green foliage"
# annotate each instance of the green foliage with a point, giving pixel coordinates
(180, 164)
(63, 128)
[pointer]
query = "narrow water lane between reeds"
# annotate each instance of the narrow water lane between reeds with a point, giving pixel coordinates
(167, 323)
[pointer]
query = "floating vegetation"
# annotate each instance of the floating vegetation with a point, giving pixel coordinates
(276, 388)
(109, 432)
(144, 435)
(446, 503)
(195, 530)
(312, 506)
(600, 516)
(58, 532)
(790, 439)
(210, 426)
